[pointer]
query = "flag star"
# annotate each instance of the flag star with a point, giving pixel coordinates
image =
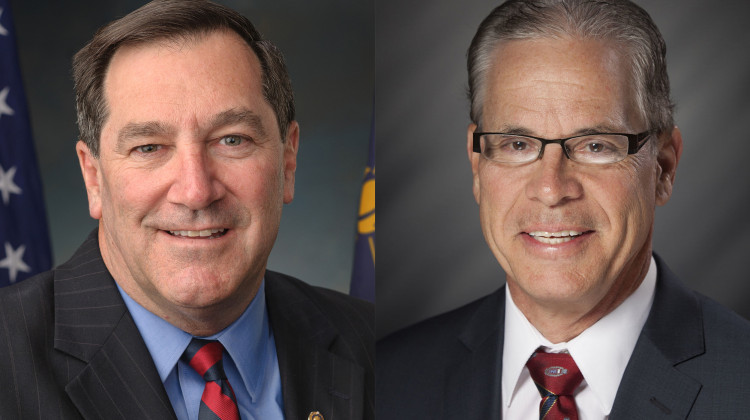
(7, 186)
(14, 261)
(4, 108)
(3, 31)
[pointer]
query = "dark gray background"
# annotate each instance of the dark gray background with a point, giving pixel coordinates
(431, 253)
(328, 47)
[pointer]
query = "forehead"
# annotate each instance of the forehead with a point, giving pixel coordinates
(559, 84)
(184, 78)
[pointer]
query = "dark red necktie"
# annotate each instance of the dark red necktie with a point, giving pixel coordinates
(556, 377)
(218, 400)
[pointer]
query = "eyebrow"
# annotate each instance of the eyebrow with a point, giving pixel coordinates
(151, 129)
(133, 130)
(241, 116)
(523, 131)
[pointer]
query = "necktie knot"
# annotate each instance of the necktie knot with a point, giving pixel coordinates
(556, 376)
(218, 399)
(556, 372)
(205, 357)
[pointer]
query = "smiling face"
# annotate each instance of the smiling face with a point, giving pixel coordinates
(191, 178)
(573, 239)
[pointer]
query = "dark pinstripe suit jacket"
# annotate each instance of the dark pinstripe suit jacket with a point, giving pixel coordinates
(69, 349)
(691, 361)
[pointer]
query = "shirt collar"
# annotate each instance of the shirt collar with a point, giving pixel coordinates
(601, 352)
(247, 335)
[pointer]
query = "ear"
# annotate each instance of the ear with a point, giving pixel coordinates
(291, 145)
(473, 159)
(91, 171)
(667, 159)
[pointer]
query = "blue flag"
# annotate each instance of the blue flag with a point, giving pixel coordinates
(24, 238)
(363, 272)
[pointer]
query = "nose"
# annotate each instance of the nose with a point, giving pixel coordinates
(553, 182)
(194, 184)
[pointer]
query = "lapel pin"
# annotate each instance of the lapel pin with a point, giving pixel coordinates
(315, 415)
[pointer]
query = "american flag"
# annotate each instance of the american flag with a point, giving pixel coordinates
(24, 238)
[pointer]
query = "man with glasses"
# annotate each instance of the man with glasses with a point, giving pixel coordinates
(572, 145)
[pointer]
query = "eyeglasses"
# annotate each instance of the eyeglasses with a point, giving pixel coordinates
(596, 149)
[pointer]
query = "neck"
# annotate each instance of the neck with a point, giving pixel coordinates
(207, 321)
(201, 321)
(563, 321)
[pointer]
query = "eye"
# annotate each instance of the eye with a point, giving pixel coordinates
(231, 140)
(595, 147)
(519, 145)
(507, 144)
(148, 148)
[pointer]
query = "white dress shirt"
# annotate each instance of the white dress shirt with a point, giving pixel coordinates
(601, 352)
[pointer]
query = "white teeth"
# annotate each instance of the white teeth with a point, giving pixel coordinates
(556, 234)
(552, 241)
(554, 238)
(196, 233)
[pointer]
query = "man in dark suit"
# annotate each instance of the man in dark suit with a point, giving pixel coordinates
(572, 145)
(188, 151)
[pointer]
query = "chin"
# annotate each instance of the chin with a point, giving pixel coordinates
(200, 297)
(191, 288)
(556, 286)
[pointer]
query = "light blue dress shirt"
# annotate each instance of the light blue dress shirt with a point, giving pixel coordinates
(249, 361)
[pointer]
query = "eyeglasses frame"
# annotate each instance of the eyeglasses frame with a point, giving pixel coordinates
(635, 141)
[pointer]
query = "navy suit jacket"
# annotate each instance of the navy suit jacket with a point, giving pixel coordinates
(691, 361)
(69, 348)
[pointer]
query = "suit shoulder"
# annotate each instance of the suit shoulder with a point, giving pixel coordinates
(413, 363)
(424, 349)
(27, 308)
(342, 325)
(352, 317)
(724, 329)
(721, 368)
(434, 332)
(28, 294)
(42, 280)
(26, 317)
(326, 300)
(679, 308)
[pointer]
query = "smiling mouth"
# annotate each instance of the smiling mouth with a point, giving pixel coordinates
(554, 238)
(200, 234)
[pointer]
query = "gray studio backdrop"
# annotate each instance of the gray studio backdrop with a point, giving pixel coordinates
(431, 253)
(328, 46)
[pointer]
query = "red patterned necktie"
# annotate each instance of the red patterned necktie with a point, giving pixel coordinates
(556, 377)
(218, 400)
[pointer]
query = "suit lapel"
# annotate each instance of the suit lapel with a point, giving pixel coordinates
(653, 386)
(109, 369)
(473, 385)
(313, 376)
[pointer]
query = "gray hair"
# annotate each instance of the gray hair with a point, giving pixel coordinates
(171, 20)
(621, 21)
